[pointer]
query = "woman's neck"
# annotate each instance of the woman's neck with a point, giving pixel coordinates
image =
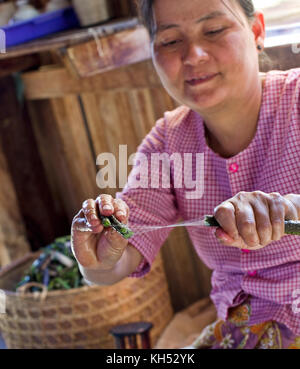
(231, 130)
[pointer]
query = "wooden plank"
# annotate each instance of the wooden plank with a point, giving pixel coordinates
(143, 113)
(57, 82)
(162, 101)
(123, 8)
(9, 66)
(69, 38)
(40, 113)
(110, 123)
(121, 118)
(26, 169)
(65, 150)
(110, 52)
(77, 151)
(281, 58)
(13, 242)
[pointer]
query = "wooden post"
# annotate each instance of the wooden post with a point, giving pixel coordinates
(13, 242)
(42, 222)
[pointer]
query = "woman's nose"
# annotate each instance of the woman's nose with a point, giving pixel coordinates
(194, 55)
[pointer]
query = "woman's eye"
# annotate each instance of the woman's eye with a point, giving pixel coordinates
(215, 31)
(170, 43)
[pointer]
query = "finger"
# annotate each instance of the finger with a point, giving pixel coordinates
(105, 204)
(111, 248)
(223, 237)
(121, 210)
(90, 214)
(84, 252)
(291, 212)
(225, 215)
(117, 241)
(246, 225)
(295, 200)
(226, 240)
(82, 249)
(277, 215)
(79, 215)
(264, 229)
(81, 225)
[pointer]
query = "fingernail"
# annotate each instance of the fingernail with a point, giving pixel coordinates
(107, 207)
(120, 213)
(223, 236)
(94, 217)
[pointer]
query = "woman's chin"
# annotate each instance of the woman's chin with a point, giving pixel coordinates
(196, 100)
(201, 102)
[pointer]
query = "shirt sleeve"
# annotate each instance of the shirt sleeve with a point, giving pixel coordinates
(149, 204)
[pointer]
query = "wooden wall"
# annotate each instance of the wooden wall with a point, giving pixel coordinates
(13, 243)
(26, 204)
(13, 238)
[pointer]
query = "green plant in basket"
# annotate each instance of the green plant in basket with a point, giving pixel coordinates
(55, 268)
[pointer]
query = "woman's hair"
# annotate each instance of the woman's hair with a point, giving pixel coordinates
(145, 8)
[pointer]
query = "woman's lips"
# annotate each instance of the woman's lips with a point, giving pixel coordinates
(199, 81)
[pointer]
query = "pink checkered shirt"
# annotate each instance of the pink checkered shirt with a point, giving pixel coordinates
(271, 163)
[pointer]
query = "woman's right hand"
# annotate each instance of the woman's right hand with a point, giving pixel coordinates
(94, 246)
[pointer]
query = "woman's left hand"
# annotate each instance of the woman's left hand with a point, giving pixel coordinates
(252, 220)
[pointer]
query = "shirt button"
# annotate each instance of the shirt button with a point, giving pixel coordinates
(246, 251)
(233, 167)
(252, 273)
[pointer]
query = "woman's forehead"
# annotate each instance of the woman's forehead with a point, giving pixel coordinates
(192, 10)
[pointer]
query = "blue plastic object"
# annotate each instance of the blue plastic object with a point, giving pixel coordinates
(42, 25)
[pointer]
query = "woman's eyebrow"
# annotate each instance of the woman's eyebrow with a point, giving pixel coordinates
(215, 14)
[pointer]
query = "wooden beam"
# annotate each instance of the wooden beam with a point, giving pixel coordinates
(9, 66)
(53, 82)
(13, 243)
(68, 38)
(110, 52)
(281, 58)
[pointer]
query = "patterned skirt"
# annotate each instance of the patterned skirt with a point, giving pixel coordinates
(234, 333)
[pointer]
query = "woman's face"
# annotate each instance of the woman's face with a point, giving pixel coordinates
(204, 51)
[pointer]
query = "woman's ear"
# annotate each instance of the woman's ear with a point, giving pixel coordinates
(258, 28)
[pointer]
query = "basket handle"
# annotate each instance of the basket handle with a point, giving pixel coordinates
(43, 294)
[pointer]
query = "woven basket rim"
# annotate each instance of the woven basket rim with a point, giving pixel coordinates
(33, 255)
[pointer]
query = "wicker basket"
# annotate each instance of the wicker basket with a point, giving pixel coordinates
(81, 317)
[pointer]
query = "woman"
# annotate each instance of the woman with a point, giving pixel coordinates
(247, 125)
